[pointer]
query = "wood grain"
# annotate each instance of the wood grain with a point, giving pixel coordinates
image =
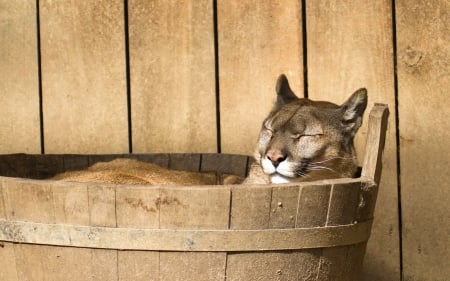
(142, 205)
(83, 76)
(194, 208)
(7, 255)
(102, 212)
(350, 46)
(258, 40)
(172, 76)
(423, 45)
(19, 85)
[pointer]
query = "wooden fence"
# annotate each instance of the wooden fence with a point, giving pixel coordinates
(114, 76)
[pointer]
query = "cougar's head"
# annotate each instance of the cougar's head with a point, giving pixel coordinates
(304, 140)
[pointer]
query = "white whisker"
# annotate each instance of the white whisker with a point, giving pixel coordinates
(332, 158)
(318, 168)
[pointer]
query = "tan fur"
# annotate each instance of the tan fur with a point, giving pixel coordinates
(305, 140)
(130, 171)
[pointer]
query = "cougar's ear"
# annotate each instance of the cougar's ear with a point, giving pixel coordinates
(284, 93)
(352, 111)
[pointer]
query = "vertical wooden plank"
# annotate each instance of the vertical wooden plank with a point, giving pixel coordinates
(337, 263)
(284, 206)
(8, 262)
(250, 207)
(258, 40)
(423, 45)
(172, 76)
(138, 208)
(280, 266)
(225, 163)
(344, 201)
(313, 206)
(71, 206)
(7, 256)
(102, 212)
(186, 162)
(259, 208)
(71, 203)
(350, 46)
(48, 203)
(2, 201)
(19, 85)
(83, 76)
(194, 208)
(30, 202)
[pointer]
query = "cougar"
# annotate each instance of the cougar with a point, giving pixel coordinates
(305, 140)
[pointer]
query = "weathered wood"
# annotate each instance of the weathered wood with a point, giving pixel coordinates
(173, 239)
(193, 266)
(7, 255)
(71, 206)
(75, 162)
(250, 207)
(225, 163)
(102, 212)
(2, 202)
(47, 166)
(71, 203)
(173, 77)
(375, 141)
(179, 230)
(284, 206)
(17, 165)
(423, 46)
(313, 205)
(8, 258)
(194, 208)
(138, 265)
(350, 46)
(84, 93)
(29, 201)
(187, 162)
(337, 262)
(141, 204)
(273, 266)
(250, 65)
(19, 85)
(343, 206)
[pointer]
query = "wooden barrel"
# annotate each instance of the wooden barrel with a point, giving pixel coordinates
(53, 230)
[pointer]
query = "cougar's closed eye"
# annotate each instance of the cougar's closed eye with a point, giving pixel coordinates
(299, 136)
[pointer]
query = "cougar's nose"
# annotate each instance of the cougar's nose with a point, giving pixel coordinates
(275, 156)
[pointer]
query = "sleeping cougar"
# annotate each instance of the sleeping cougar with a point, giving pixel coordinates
(304, 140)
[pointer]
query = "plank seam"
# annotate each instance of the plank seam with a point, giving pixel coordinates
(128, 75)
(305, 50)
(397, 135)
(39, 66)
(216, 72)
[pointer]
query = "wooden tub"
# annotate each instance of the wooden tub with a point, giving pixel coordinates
(51, 230)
